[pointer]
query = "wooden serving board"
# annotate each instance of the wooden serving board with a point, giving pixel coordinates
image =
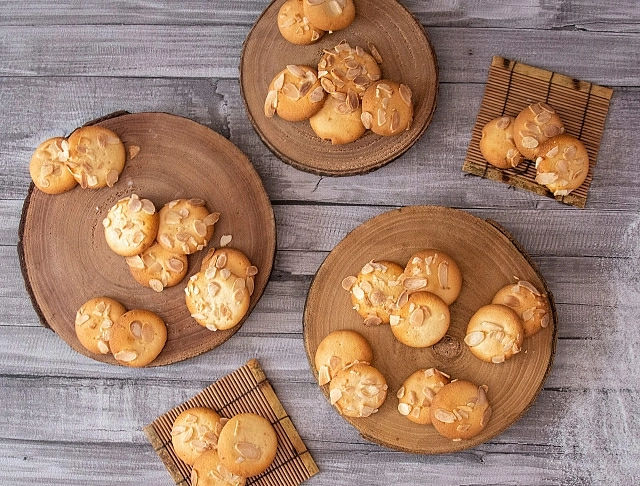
(64, 257)
(489, 258)
(408, 58)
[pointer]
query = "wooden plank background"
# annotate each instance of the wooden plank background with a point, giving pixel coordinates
(69, 420)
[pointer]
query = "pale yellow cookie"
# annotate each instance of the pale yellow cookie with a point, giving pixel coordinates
(137, 338)
(417, 392)
(294, 26)
(208, 471)
(387, 107)
(339, 350)
(131, 225)
(347, 70)
(338, 121)
(562, 164)
(533, 125)
(186, 225)
(433, 271)
(330, 15)
(422, 321)
(294, 94)
(530, 304)
(358, 391)
(194, 432)
(495, 333)
(497, 145)
(158, 268)
(48, 168)
(94, 321)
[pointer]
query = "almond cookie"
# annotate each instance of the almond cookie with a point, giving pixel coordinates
(329, 15)
(533, 125)
(294, 26)
(158, 268)
(528, 302)
(433, 271)
(375, 291)
(137, 338)
(338, 120)
(248, 444)
(387, 108)
(294, 94)
(460, 410)
(94, 321)
(417, 392)
(96, 156)
(208, 471)
(497, 145)
(358, 391)
(131, 225)
(338, 350)
(422, 321)
(495, 333)
(48, 169)
(562, 164)
(185, 225)
(194, 432)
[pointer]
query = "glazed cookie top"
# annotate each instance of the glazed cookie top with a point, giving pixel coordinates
(497, 145)
(434, 271)
(208, 471)
(495, 333)
(329, 15)
(387, 107)
(533, 125)
(294, 94)
(422, 321)
(338, 120)
(131, 225)
(158, 267)
(186, 225)
(562, 164)
(532, 306)
(137, 338)
(48, 169)
(94, 321)
(358, 391)
(339, 350)
(417, 392)
(194, 432)
(294, 26)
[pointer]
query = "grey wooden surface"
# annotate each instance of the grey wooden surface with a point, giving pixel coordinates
(67, 419)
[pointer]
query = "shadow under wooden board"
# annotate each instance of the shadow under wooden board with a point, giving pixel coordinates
(407, 57)
(489, 259)
(511, 87)
(65, 259)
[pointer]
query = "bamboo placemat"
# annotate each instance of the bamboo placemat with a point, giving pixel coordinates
(511, 87)
(245, 390)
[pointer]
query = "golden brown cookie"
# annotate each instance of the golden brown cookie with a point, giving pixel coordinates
(422, 321)
(497, 145)
(48, 168)
(358, 391)
(294, 94)
(562, 164)
(137, 338)
(94, 321)
(247, 445)
(294, 26)
(158, 268)
(186, 225)
(339, 350)
(338, 121)
(533, 125)
(329, 15)
(532, 306)
(208, 471)
(375, 291)
(433, 271)
(96, 156)
(131, 225)
(194, 432)
(417, 392)
(387, 108)
(460, 410)
(495, 333)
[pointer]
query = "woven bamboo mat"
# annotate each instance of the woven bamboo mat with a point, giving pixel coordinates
(245, 390)
(511, 87)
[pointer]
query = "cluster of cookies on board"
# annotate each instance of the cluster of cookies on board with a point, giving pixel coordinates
(223, 451)
(346, 95)
(538, 134)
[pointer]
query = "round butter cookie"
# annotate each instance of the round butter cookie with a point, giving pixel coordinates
(194, 432)
(48, 169)
(460, 410)
(387, 108)
(417, 392)
(186, 225)
(375, 291)
(562, 164)
(294, 26)
(422, 321)
(495, 333)
(94, 321)
(338, 121)
(208, 471)
(529, 304)
(131, 225)
(329, 15)
(158, 268)
(96, 156)
(358, 391)
(533, 125)
(339, 350)
(247, 445)
(433, 271)
(497, 145)
(294, 94)
(137, 338)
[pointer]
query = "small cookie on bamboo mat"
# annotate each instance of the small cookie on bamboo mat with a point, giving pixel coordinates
(96, 156)
(48, 169)
(422, 321)
(94, 321)
(358, 391)
(137, 338)
(339, 120)
(495, 333)
(294, 94)
(158, 267)
(131, 225)
(295, 27)
(208, 471)
(497, 145)
(434, 271)
(533, 125)
(247, 444)
(562, 164)
(186, 225)
(194, 432)
(338, 350)
(532, 306)
(345, 69)
(417, 392)
(329, 15)
(387, 108)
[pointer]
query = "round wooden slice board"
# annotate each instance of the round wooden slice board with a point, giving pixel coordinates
(408, 58)
(65, 258)
(489, 259)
